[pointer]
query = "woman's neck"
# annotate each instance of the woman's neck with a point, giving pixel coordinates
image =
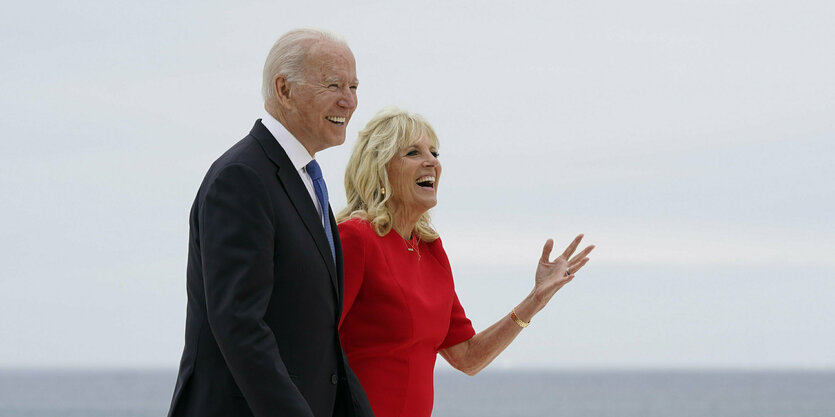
(404, 221)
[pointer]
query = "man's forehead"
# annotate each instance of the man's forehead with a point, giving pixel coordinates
(330, 51)
(333, 74)
(332, 63)
(339, 78)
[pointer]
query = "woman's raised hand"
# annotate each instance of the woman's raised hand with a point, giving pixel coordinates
(472, 355)
(552, 275)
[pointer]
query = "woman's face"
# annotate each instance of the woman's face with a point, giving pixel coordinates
(414, 172)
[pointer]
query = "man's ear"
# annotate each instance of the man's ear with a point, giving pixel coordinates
(282, 91)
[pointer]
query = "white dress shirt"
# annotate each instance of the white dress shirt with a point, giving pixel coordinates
(298, 156)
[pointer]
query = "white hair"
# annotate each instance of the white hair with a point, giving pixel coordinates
(287, 56)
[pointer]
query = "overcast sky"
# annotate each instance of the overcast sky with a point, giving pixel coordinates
(691, 141)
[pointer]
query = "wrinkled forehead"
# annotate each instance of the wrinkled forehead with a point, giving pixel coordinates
(330, 61)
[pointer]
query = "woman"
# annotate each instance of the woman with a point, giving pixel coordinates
(400, 307)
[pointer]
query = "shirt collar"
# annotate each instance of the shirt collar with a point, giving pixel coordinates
(295, 150)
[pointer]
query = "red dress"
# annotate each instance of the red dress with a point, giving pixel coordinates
(400, 308)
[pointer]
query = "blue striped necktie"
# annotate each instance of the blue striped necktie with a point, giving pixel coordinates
(322, 194)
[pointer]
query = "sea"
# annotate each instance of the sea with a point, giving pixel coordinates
(74, 393)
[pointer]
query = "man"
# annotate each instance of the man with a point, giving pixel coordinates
(265, 263)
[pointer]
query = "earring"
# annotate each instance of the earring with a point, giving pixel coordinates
(382, 190)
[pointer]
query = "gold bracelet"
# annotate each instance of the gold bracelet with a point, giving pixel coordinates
(518, 321)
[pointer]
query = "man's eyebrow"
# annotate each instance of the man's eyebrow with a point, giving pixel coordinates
(336, 79)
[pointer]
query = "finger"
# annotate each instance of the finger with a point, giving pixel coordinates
(546, 250)
(576, 267)
(572, 247)
(581, 255)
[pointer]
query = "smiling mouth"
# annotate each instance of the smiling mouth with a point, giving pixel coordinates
(426, 181)
(336, 120)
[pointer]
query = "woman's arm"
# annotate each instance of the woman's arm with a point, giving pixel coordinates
(473, 355)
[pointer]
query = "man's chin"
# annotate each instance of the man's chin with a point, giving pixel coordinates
(336, 141)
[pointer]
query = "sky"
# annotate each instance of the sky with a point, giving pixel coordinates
(691, 141)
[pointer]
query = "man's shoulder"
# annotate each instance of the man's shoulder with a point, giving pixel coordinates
(246, 155)
(247, 151)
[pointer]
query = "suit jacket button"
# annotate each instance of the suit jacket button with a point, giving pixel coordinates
(334, 379)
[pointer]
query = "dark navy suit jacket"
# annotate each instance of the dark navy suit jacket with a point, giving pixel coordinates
(264, 296)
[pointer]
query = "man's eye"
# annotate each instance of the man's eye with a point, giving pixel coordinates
(353, 87)
(333, 87)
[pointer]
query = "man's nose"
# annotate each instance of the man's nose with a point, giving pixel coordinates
(349, 99)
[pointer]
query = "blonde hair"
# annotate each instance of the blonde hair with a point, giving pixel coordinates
(390, 130)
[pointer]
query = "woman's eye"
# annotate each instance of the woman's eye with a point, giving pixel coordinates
(435, 154)
(413, 152)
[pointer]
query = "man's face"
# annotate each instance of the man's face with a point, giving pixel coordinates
(326, 99)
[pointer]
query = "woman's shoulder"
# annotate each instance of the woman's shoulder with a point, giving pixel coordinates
(436, 248)
(356, 227)
(359, 234)
(436, 243)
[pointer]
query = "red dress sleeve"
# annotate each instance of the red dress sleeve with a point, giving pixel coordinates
(460, 327)
(353, 259)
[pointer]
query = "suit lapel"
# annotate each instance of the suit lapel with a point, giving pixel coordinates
(297, 192)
